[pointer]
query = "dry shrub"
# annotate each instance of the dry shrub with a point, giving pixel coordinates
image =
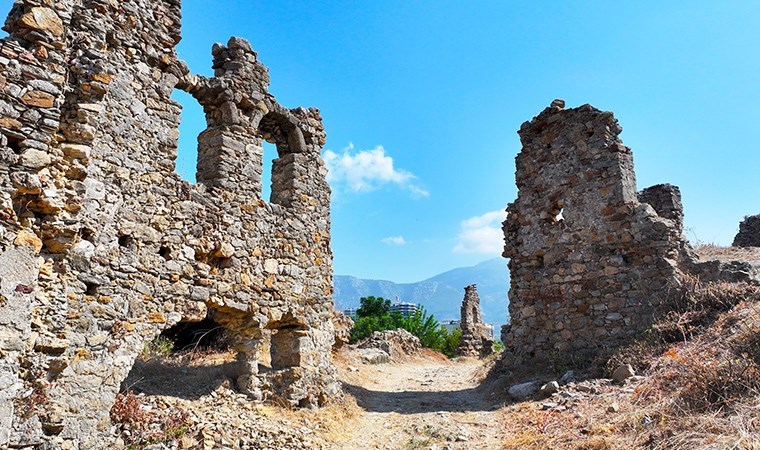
(717, 369)
(127, 409)
(701, 378)
(746, 338)
(141, 426)
(695, 306)
(703, 366)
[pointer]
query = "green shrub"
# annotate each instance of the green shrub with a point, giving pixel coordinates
(374, 315)
(160, 346)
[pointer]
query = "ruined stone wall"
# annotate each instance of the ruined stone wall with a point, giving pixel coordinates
(749, 232)
(476, 340)
(590, 262)
(102, 245)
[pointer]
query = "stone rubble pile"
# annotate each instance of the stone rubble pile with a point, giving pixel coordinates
(226, 419)
(567, 393)
(397, 344)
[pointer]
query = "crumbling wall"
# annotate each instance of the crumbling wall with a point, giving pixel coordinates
(590, 262)
(749, 232)
(476, 340)
(102, 245)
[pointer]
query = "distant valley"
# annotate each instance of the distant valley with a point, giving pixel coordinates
(441, 295)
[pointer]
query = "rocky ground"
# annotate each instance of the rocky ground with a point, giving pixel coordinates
(698, 387)
(425, 401)
(428, 402)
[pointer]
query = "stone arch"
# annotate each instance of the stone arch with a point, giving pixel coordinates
(282, 131)
(288, 341)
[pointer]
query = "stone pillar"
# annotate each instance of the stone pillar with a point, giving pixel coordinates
(476, 340)
(229, 158)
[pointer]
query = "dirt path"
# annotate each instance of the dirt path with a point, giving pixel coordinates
(420, 404)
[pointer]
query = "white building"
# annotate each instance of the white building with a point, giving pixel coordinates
(406, 309)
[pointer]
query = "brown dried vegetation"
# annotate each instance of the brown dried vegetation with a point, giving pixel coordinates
(702, 385)
(140, 426)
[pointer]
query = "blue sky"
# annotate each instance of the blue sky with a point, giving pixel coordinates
(422, 99)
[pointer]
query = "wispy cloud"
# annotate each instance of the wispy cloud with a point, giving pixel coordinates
(482, 234)
(394, 240)
(367, 170)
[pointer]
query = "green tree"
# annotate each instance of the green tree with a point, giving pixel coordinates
(426, 328)
(374, 314)
(451, 342)
(373, 307)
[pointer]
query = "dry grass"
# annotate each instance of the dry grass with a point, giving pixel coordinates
(334, 422)
(708, 252)
(701, 391)
(696, 307)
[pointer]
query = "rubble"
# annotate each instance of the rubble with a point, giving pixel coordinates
(398, 343)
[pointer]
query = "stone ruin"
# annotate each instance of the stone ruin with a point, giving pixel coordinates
(103, 246)
(749, 232)
(477, 339)
(592, 262)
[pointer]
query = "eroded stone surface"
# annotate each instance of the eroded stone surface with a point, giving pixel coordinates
(590, 263)
(108, 246)
(749, 232)
(476, 339)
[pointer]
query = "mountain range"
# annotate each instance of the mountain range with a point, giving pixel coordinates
(441, 295)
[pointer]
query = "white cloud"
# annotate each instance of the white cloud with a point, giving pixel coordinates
(482, 234)
(394, 240)
(367, 170)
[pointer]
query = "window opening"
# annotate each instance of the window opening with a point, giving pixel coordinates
(192, 123)
(270, 154)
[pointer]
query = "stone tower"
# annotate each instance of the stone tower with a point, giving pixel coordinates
(476, 339)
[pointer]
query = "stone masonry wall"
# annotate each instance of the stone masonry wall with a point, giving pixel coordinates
(749, 232)
(476, 340)
(590, 262)
(103, 246)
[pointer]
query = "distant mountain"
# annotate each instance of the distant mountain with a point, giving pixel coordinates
(441, 295)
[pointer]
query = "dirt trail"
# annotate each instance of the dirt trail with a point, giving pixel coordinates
(420, 404)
